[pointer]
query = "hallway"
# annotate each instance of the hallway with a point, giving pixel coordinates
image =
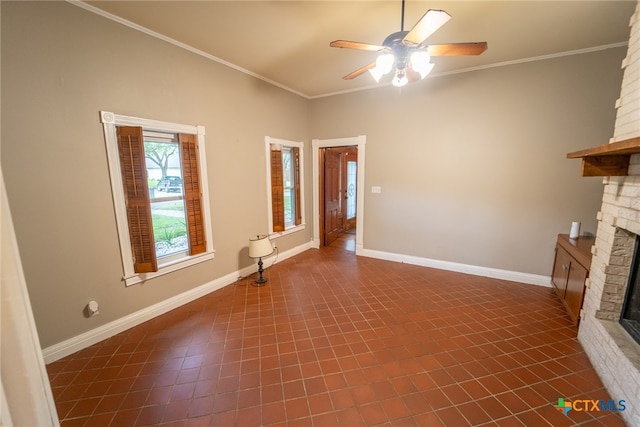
(345, 241)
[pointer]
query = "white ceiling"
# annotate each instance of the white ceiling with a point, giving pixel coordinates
(287, 42)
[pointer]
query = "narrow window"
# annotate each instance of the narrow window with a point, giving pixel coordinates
(284, 165)
(352, 179)
(288, 183)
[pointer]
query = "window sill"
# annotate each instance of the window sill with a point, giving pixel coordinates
(275, 235)
(169, 267)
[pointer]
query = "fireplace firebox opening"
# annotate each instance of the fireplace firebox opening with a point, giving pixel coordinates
(630, 314)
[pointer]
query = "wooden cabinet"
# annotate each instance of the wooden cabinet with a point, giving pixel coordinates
(570, 271)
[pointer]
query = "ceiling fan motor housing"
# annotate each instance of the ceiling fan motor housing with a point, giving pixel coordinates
(394, 39)
(398, 47)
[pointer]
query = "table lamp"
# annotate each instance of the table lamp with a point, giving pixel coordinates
(258, 248)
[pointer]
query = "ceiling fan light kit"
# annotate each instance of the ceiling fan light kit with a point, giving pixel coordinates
(407, 52)
(419, 61)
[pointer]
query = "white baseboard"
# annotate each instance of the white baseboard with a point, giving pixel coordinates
(514, 276)
(86, 339)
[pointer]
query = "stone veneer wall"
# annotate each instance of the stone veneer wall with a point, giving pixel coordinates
(614, 354)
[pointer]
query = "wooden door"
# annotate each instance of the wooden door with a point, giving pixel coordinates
(333, 218)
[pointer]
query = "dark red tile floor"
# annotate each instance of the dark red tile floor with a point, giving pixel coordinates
(339, 340)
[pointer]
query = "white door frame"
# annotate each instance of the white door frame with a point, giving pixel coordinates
(317, 144)
(25, 392)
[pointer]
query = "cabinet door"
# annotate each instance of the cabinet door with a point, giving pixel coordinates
(560, 274)
(575, 289)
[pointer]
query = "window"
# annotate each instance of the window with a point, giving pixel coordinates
(284, 189)
(352, 180)
(159, 189)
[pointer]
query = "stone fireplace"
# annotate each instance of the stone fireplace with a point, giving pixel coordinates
(613, 352)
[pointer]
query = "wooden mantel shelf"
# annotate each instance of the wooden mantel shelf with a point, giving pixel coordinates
(608, 159)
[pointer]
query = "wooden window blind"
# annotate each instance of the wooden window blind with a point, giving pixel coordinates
(136, 191)
(192, 194)
(296, 184)
(277, 188)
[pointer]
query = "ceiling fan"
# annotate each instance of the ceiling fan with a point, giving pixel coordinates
(407, 50)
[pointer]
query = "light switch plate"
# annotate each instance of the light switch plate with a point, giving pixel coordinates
(376, 189)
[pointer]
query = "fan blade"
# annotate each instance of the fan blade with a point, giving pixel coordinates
(355, 45)
(455, 49)
(359, 71)
(427, 25)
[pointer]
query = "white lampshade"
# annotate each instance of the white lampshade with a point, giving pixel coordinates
(376, 74)
(420, 63)
(260, 246)
(384, 62)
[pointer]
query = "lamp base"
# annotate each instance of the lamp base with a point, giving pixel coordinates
(260, 281)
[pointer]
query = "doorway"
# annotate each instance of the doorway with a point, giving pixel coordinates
(338, 174)
(342, 211)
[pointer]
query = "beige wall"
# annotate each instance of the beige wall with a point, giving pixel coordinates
(60, 66)
(472, 166)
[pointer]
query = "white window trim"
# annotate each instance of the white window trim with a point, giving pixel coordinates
(109, 122)
(267, 146)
